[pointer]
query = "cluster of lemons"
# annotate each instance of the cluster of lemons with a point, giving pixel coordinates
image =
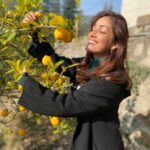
(62, 32)
(60, 25)
(54, 76)
(5, 112)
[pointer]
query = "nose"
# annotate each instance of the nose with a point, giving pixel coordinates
(93, 33)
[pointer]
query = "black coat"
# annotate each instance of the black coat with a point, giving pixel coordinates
(95, 105)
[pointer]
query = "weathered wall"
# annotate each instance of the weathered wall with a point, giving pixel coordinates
(132, 9)
(139, 43)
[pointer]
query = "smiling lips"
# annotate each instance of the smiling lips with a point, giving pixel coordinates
(92, 42)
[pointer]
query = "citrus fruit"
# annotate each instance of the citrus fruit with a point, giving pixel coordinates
(69, 36)
(38, 14)
(54, 120)
(46, 60)
(57, 21)
(44, 75)
(61, 81)
(21, 108)
(10, 14)
(20, 88)
(59, 33)
(4, 112)
(54, 76)
(21, 132)
(63, 34)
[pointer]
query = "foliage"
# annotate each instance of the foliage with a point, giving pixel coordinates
(14, 44)
(51, 6)
(69, 9)
(138, 74)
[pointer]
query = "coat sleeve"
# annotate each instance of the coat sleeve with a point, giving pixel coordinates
(78, 103)
(38, 50)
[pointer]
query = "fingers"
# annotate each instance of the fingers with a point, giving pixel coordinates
(24, 69)
(29, 17)
(32, 15)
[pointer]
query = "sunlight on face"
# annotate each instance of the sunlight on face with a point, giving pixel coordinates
(100, 38)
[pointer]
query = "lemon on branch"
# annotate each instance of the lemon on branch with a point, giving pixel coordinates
(54, 76)
(21, 132)
(69, 36)
(20, 88)
(63, 34)
(38, 14)
(21, 108)
(54, 121)
(46, 60)
(57, 21)
(9, 14)
(4, 113)
(44, 76)
(61, 81)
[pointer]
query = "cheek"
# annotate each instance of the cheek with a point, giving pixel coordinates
(104, 40)
(105, 43)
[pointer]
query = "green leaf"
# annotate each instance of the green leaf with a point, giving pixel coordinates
(12, 64)
(58, 64)
(36, 3)
(11, 37)
(38, 119)
(9, 72)
(4, 48)
(73, 65)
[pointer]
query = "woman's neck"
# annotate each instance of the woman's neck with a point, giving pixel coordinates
(101, 58)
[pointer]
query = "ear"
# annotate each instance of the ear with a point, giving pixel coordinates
(114, 46)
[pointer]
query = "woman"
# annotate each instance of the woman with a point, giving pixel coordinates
(104, 82)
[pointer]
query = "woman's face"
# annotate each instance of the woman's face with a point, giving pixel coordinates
(100, 38)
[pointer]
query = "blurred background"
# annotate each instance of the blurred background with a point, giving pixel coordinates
(134, 112)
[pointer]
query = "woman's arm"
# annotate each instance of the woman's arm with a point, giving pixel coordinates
(38, 50)
(93, 98)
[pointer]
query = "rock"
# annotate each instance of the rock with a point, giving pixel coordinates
(142, 104)
(134, 114)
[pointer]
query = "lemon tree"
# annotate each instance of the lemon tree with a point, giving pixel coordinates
(14, 44)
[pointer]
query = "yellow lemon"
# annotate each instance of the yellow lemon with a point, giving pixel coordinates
(10, 14)
(38, 14)
(46, 60)
(54, 120)
(59, 33)
(21, 108)
(54, 76)
(21, 132)
(61, 81)
(69, 36)
(63, 34)
(44, 75)
(4, 113)
(20, 88)
(57, 21)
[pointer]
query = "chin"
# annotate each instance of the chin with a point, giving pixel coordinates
(96, 52)
(91, 50)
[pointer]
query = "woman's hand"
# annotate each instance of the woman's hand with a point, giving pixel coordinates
(31, 16)
(24, 70)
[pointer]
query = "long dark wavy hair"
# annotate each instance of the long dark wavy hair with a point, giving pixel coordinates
(115, 66)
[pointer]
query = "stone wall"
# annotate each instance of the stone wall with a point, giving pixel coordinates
(132, 9)
(139, 41)
(135, 111)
